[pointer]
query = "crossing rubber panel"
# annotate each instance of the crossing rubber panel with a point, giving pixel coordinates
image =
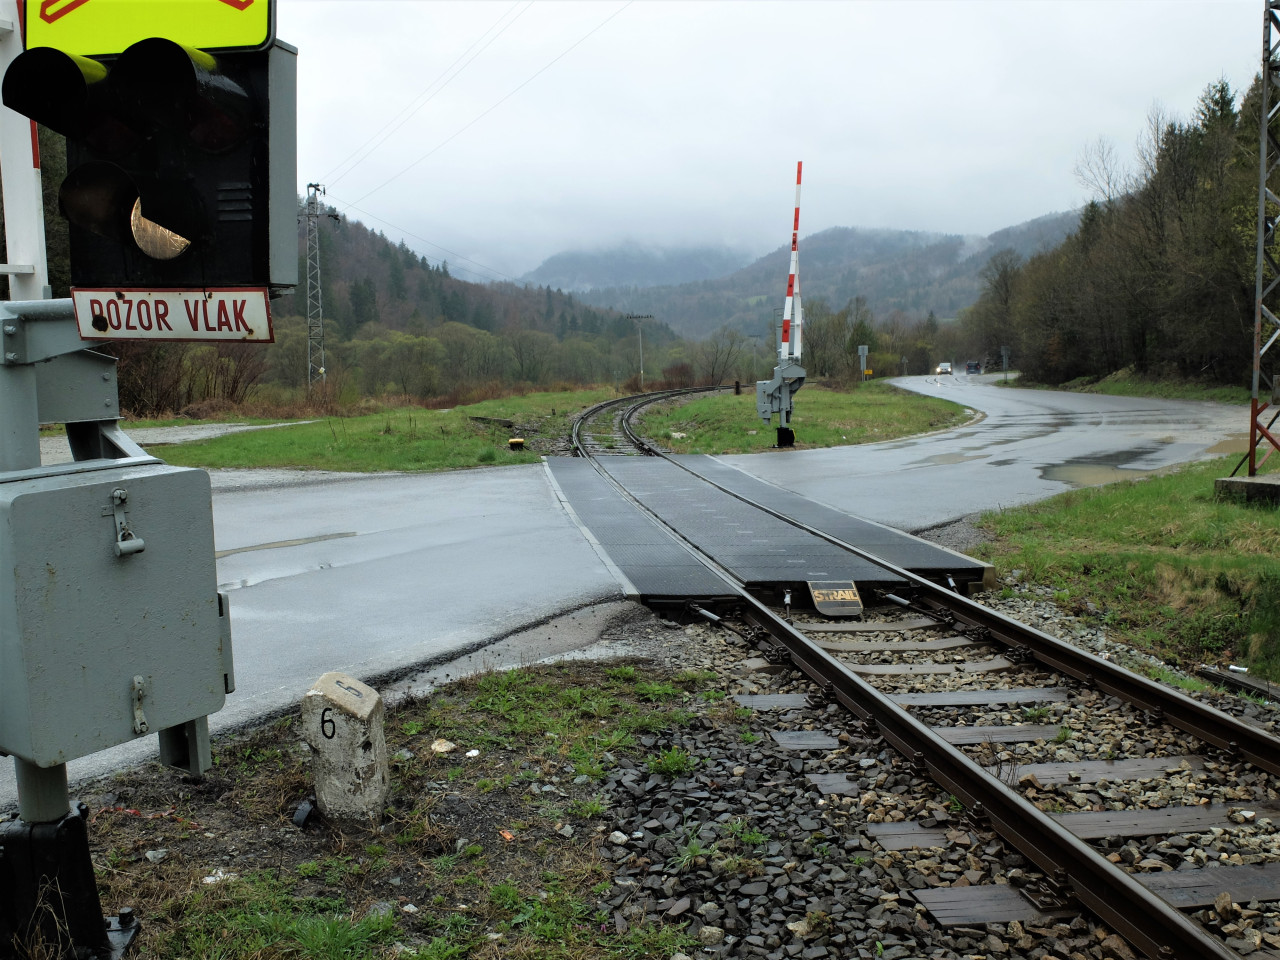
(902, 549)
(655, 563)
(758, 549)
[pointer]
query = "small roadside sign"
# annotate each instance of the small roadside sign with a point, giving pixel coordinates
(229, 314)
(102, 28)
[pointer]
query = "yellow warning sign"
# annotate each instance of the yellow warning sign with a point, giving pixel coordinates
(105, 27)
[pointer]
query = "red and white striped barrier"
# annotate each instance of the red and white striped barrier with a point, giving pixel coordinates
(792, 313)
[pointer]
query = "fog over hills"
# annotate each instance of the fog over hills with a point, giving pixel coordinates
(912, 271)
(634, 265)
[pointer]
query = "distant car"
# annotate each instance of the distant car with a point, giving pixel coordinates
(973, 366)
(944, 367)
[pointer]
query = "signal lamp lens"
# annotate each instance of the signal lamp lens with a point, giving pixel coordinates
(157, 242)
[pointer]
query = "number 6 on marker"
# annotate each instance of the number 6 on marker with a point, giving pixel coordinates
(327, 726)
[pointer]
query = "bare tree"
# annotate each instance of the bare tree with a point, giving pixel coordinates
(1098, 169)
(720, 353)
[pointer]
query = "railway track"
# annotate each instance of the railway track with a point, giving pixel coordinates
(605, 429)
(997, 713)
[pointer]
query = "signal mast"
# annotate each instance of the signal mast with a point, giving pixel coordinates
(775, 395)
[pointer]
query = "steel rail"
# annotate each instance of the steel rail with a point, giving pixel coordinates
(1209, 724)
(1145, 919)
(640, 400)
(1157, 928)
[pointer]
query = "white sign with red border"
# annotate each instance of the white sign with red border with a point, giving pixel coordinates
(235, 314)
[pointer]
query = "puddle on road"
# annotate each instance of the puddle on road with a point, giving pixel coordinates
(1106, 468)
(1091, 474)
(1235, 443)
(953, 458)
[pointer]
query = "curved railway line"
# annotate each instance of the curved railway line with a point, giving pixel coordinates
(928, 670)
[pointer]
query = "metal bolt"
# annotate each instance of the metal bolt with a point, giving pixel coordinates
(11, 357)
(126, 917)
(106, 377)
(107, 402)
(10, 329)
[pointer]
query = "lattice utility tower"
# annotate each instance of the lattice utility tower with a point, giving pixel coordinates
(315, 306)
(1267, 271)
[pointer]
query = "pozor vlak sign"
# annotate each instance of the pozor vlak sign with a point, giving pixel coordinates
(180, 193)
(233, 314)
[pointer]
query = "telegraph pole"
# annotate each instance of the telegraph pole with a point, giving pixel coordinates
(637, 317)
(315, 308)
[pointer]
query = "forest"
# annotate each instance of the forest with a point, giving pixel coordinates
(1159, 276)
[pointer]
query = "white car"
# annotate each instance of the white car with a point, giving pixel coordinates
(943, 367)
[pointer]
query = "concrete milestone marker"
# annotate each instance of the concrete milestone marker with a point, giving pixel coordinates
(342, 722)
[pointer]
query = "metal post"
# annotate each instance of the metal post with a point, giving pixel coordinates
(42, 792)
(20, 172)
(1268, 209)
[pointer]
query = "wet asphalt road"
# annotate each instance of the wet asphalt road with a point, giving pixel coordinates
(1024, 446)
(367, 574)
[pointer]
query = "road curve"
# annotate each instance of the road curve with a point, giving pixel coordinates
(1021, 446)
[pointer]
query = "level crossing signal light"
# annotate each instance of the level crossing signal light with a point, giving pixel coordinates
(181, 168)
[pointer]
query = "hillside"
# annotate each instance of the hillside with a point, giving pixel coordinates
(633, 265)
(366, 278)
(893, 269)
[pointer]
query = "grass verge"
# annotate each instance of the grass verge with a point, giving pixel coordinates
(725, 423)
(1171, 568)
(409, 439)
(1127, 383)
(492, 855)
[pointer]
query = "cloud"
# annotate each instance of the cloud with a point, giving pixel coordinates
(676, 123)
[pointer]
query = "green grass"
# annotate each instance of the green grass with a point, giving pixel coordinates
(268, 920)
(674, 762)
(1172, 569)
(406, 439)
(725, 423)
(1127, 383)
(418, 440)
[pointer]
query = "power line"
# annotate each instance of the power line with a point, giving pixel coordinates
(520, 87)
(409, 110)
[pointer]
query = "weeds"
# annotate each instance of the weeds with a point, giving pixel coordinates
(672, 763)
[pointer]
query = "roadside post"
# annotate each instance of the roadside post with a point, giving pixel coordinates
(1004, 361)
(179, 121)
(342, 721)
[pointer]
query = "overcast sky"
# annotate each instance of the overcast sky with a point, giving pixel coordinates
(504, 132)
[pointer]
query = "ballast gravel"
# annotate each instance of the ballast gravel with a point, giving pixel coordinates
(746, 849)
